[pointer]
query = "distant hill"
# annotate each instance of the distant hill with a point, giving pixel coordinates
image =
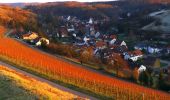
(79, 9)
(162, 23)
(98, 10)
(22, 5)
(150, 1)
(16, 17)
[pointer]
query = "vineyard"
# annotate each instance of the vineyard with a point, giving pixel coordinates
(57, 69)
(42, 90)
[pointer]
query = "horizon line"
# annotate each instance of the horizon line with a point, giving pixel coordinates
(60, 1)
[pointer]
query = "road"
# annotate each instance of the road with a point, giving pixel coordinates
(8, 33)
(48, 82)
(167, 62)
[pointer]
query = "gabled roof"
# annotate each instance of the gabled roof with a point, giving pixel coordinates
(120, 49)
(100, 44)
(113, 37)
(135, 52)
(28, 34)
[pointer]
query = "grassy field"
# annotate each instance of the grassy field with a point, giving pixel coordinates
(9, 90)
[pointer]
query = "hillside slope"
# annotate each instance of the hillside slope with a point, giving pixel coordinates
(17, 17)
(59, 70)
(162, 23)
(79, 9)
(38, 90)
(150, 1)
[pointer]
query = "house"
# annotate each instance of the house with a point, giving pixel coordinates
(70, 29)
(86, 39)
(134, 55)
(92, 30)
(63, 32)
(142, 68)
(97, 34)
(39, 40)
(119, 49)
(90, 21)
(113, 58)
(120, 43)
(101, 44)
(112, 41)
(141, 46)
(30, 36)
(68, 18)
(42, 40)
(153, 49)
(113, 36)
(168, 49)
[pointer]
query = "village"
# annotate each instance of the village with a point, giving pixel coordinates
(140, 64)
(85, 50)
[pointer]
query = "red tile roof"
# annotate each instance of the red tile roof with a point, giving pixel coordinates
(100, 44)
(28, 34)
(136, 52)
(113, 36)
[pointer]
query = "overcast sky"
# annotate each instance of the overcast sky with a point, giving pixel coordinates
(14, 1)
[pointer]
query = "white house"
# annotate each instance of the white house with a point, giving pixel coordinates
(39, 43)
(74, 35)
(112, 41)
(150, 49)
(90, 21)
(120, 43)
(134, 56)
(153, 50)
(70, 29)
(123, 43)
(168, 50)
(142, 68)
(141, 46)
(68, 18)
(97, 34)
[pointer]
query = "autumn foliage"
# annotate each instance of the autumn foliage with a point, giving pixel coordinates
(2, 30)
(58, 69)
(17, 17)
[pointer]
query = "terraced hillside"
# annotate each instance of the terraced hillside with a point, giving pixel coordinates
(57, 69)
